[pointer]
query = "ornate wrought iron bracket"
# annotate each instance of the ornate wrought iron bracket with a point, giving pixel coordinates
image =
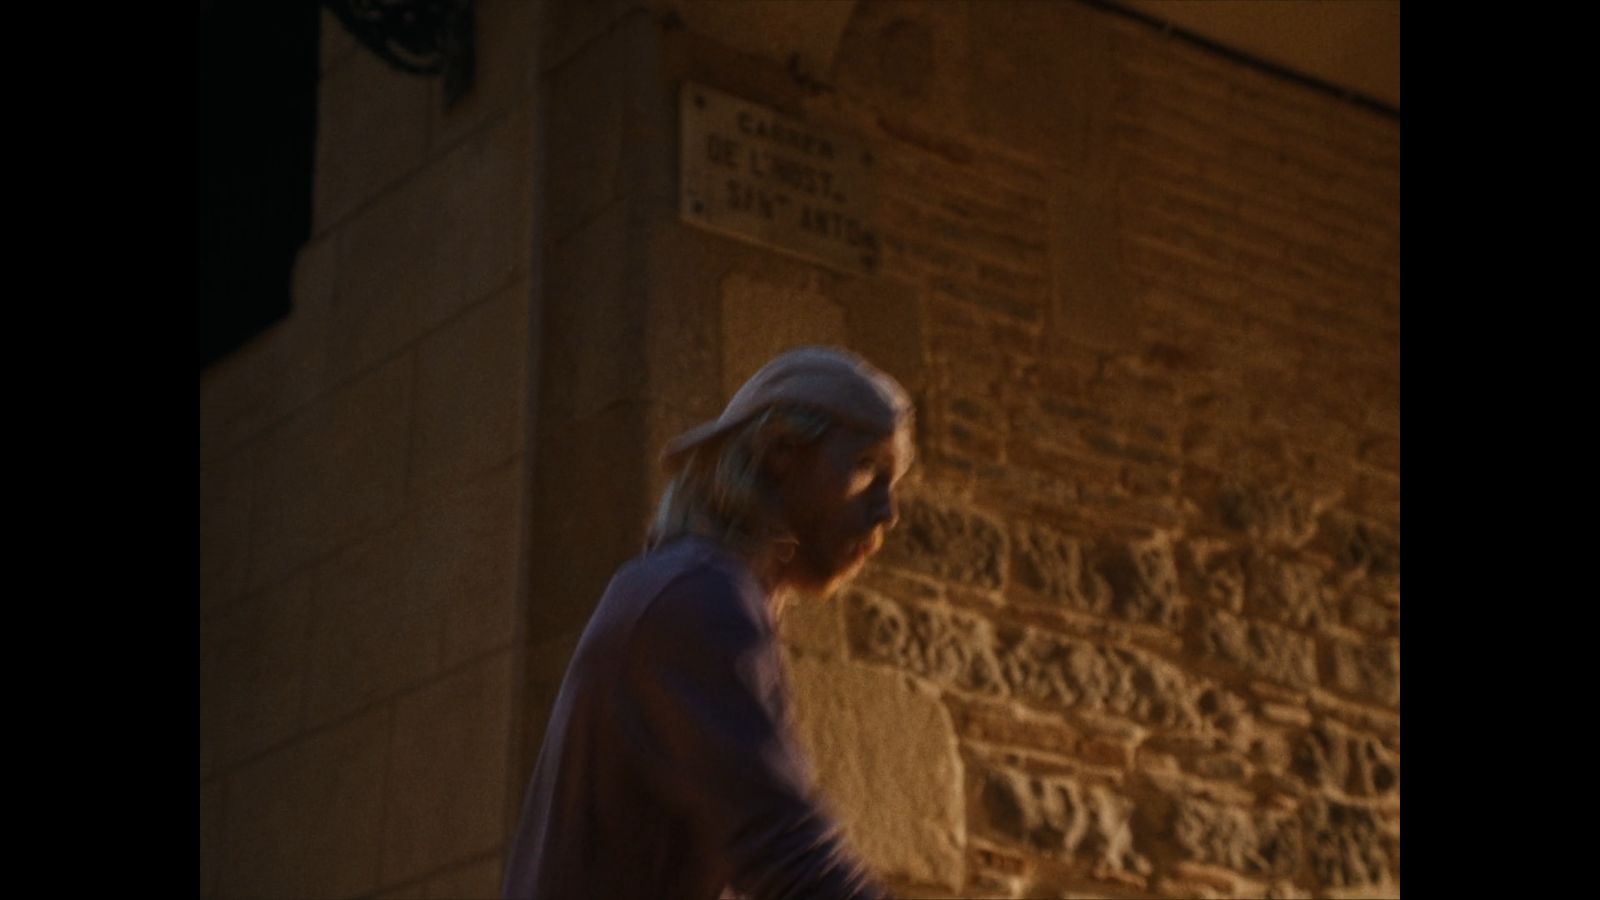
(422, 37)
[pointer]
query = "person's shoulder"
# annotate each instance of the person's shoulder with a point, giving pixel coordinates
(705, 588)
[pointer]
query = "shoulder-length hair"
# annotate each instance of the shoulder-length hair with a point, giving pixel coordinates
(722, 489)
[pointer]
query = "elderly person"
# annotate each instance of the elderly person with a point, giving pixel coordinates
(667, 768)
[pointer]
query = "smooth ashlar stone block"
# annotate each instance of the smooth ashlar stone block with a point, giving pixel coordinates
(472, 881)
(278, 371)
(332, 473)
(471, 392)
(301, 822)
(433, 589)
(372, 129)
(443, 239)
(762, 318)
(448, 770)
(591, 103)
(373, 634)
(468, 560)
(504, 56)
(213, 800)
(224, 528)
(336, 43)
(812, 626)
(886, 759)
(253, 661)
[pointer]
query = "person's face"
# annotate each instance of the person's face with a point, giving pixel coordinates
(838, 500)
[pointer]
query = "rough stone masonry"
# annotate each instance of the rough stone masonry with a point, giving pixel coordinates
(1149, 566)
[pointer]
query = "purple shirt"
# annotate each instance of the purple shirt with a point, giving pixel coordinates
(667, 768)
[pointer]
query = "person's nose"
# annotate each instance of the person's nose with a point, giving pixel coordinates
(885, 511)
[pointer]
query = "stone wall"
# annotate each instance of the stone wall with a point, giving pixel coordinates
(1137, 633)
(362, 491)
(1148, 570)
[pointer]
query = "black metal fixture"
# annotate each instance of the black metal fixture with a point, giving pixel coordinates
(422, 37)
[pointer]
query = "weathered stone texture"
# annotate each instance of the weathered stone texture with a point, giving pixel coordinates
(1143, 579)
(1062, 816)
(905, 57)
(995, 871)
(1134, 580)
(812, 626)
(1255, 842)
(1344, 845)
(1331, 756)
(946, 543)
(1153, 289)
(1289, 592)
(1051, 564)
(1378, 615)
(1366, 669)
(1360, 548)
(1041, 81)
(1271, 513)
(1220, 766)
(958, 649)
(1212, 572)
(886, 757)
(1003, 724)
(965, 651)
(1259, 648)
(761, 319)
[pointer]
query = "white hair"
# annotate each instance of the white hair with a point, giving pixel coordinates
(722, 490)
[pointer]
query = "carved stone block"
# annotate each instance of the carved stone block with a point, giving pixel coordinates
(1213, 572)
(948, 544)
(1131, 580)
(1329, 755)
(1143, 580)
(1367, 669)
(1271, 513)
(1051, 564)
(1288, 591)
(1359, 547)
(1063, 817)
(1051, 671)
(1344, 845)
(1269, 651)
(1255, 842)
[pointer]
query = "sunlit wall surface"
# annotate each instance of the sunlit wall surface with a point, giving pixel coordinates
(1137, 633)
